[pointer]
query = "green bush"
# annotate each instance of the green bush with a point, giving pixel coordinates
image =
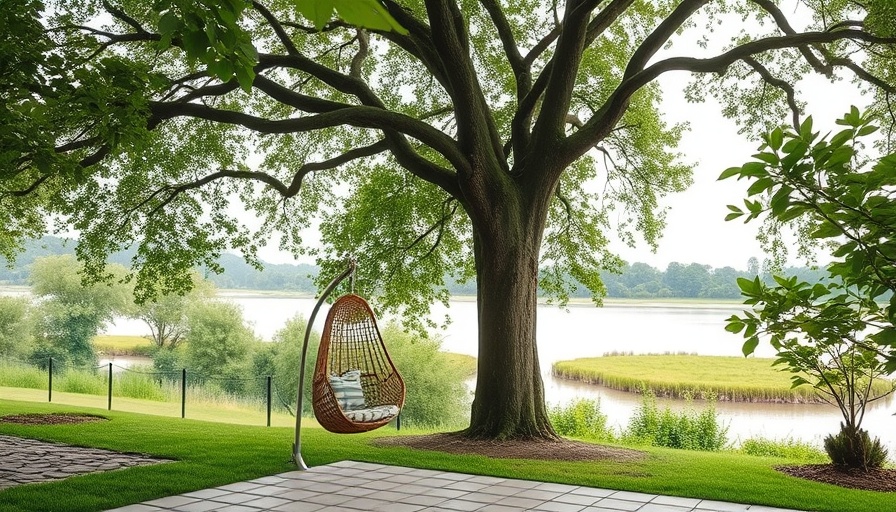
(168, 362)
(581, 418)
(689, 429)
(437, 394)
(786, 449)
(854, 448)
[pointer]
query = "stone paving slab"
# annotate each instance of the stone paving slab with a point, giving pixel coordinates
(360, 486)
(27, 461)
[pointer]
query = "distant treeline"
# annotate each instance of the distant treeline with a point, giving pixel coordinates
(637, 280)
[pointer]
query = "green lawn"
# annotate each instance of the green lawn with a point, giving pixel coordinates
(211, 454)
(734, 378)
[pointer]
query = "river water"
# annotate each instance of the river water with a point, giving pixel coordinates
(586, 331)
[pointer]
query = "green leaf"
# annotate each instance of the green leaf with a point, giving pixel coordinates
(750, 346)
(776, 139)
(760, 185)
(729, 172)
(806, 128)
(318, 12)
(168, 24)
(735, 326)
(826, 230)
(368, 14)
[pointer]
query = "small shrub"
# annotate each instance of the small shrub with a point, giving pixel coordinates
(581, 418)
(688, 430)
(168, 362)
(854, 448)
(786, 449)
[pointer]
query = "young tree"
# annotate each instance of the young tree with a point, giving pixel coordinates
(838, 335)
(166, 315)
(70, 312)
(472, 139)
(217, 337)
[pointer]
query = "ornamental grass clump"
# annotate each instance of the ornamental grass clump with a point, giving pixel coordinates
(583, 419)
(688, 429)
(854, 448)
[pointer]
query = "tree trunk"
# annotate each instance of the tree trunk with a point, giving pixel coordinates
(509, 400)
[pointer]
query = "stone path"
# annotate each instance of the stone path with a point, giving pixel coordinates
(360, 486)
(346, 486)
(25, 461)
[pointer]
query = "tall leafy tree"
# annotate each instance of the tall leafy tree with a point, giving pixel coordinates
(71, 313)
(486, 137)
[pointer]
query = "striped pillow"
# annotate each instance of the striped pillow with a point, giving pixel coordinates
(347, 388)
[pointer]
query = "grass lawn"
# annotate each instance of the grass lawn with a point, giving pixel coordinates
(211, 454)
(731, 378)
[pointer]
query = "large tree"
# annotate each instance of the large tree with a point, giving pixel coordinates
(483, 139)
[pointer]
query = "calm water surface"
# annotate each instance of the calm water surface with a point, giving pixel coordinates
(586, 331)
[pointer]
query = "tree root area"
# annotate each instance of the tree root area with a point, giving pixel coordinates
(541, 449)
(882, 480)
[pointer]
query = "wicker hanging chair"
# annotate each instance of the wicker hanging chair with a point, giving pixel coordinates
(351, 341)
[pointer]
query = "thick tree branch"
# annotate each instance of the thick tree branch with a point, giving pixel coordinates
(655, 41)
(275, 24)
(780, 84)
(517, 63)
(609, 114)
(784, 24)
(549, 125)
(522, 120)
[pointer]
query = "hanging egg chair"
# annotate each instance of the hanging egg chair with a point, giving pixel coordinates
(355, 385)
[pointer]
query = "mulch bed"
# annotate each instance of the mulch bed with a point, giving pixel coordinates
(559, 449)
(53, 418)
(882, 480)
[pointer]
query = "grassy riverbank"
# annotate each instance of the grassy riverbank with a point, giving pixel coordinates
(212, 454)
(729, 378)
(117, 345)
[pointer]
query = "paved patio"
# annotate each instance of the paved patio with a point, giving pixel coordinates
(351, 486)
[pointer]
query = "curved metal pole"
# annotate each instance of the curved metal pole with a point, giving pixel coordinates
(297, 445)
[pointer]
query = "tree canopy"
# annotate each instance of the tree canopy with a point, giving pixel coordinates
(485, 138)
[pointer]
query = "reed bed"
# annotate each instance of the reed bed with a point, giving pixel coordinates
(735, 379)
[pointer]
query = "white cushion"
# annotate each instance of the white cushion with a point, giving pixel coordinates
(372, 414)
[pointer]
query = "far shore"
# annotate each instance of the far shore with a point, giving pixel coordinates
(577, 302)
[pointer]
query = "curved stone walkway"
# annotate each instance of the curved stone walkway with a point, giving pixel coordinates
(26, 461)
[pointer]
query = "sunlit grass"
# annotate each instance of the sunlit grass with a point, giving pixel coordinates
(730, 378)
(108, 344)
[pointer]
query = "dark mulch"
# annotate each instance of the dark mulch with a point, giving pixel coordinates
(53, 418)
(882, 480)
(559, 449)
